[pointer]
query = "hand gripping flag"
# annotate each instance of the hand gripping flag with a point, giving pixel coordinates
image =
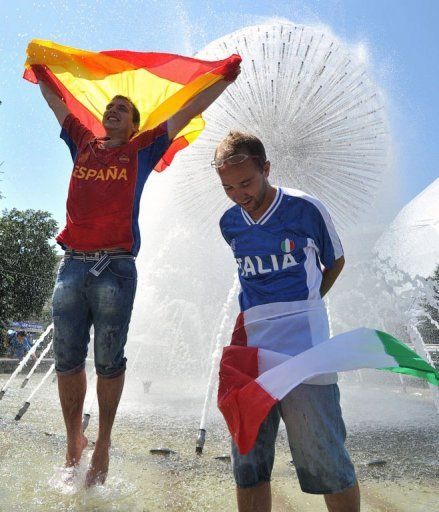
(159, 84)
(253, 380)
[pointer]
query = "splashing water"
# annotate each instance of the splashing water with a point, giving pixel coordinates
(310, 100)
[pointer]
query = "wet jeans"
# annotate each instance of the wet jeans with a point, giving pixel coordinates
(316, 435)
(80, 300)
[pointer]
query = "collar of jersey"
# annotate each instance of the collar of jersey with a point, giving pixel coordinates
(272, 208)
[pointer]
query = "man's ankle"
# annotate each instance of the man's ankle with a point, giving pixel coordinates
(103, 444)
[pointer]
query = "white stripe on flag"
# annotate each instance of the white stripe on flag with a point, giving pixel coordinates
(361, 348)
(287, 327)
(276, 309)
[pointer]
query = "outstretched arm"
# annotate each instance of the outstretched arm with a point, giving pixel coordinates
(330, 275)
(55, 103)
(198, 104)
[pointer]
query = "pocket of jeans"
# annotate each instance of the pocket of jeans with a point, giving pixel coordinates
(124, 268)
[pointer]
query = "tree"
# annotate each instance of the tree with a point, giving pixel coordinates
(27, 261)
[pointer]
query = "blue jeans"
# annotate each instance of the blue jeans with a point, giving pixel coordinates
(316, 436)
(80, 300)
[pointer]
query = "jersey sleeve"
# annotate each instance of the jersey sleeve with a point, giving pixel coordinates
(325, 236)
(222, 225)
(152, 145)
(75, 135)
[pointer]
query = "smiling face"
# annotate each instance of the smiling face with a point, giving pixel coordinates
(118, 118)
(246, 184)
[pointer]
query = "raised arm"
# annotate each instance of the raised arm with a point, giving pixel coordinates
(198, 104)
(55, 103)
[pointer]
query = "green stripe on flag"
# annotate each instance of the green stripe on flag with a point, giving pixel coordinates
(408, 360)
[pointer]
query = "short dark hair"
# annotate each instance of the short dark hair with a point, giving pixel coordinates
(136, 113)
(21, 333)
(235, 142)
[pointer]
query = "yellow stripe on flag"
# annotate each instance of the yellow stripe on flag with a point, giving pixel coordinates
(144, 89)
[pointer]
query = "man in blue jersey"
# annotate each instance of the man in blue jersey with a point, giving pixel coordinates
(20, 345)
(289, 256)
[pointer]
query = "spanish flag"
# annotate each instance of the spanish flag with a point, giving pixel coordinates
(159, 84)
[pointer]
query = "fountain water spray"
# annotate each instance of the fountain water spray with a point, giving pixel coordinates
(26, 404)
(309, 98)
(328, 309)
(89, 406)
(216, 356)
(392, 300)
(420, 348)
(36, 364)
(93, 395)
(25, 360)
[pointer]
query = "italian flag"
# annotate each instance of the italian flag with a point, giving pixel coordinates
(159, 84)
(253, 380)
(287, 245)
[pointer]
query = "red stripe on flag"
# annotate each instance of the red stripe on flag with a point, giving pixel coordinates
(175, 68)
(76, 108)
(239, 335)
(254, 405)
(29, 75)
(242, 401)
(166, 160)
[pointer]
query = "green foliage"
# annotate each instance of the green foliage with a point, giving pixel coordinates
(27, 262)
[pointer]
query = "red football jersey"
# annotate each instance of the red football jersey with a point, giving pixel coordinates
(105, 187)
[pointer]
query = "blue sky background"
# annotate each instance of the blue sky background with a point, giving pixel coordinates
(401, 36)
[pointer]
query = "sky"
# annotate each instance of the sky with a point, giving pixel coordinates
(401, 38)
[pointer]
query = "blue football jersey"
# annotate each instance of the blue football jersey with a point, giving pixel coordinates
(279, 255)
(279, 261)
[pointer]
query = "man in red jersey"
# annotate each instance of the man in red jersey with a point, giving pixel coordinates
(96, 281)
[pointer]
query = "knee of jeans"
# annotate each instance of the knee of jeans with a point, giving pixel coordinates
(109, 358)
(109, 348)
(248, 474)
(68, 356)
(111, 370)
(255, 467)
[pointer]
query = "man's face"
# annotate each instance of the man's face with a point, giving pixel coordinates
(20, 338)
(119, 116)
(245, 183)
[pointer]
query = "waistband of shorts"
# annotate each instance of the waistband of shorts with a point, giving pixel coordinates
(96, 256)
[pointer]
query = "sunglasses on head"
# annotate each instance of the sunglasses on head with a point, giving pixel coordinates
(233, 160)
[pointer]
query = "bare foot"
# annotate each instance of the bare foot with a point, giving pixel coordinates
(73, 455)
(98, 468)
(68, 475)
(74, 451)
